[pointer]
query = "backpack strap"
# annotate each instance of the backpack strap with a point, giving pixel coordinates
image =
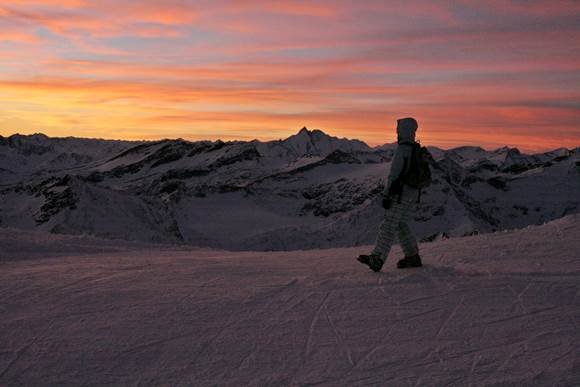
(405, 166)
(416, 147)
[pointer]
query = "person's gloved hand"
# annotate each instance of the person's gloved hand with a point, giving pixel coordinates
(386, 202)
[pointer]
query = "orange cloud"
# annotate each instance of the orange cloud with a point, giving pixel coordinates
(103, 18)
(18, 36)
(137, 109)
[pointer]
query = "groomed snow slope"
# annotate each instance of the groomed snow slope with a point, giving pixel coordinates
(494, 309)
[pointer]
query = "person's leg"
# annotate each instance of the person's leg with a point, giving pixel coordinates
(389, 228)
(407, 239)
(409, 246)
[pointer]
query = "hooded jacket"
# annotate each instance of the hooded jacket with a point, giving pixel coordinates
(406, 128)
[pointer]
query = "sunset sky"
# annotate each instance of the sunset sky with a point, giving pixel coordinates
(490, 73)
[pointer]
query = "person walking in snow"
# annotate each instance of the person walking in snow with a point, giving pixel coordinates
(409, 173)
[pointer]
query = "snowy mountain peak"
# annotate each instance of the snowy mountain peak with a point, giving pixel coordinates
(304, 131)
(310, 135)
(18, 139)
(317, 143)
(34, 136)
(505, 150)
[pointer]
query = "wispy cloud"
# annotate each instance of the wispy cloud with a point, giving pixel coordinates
(494, 74)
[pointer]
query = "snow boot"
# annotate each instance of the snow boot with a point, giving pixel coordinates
(407, 262)
(373, 261)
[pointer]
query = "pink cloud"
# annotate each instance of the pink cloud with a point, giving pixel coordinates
(46, 3)
(104, 18)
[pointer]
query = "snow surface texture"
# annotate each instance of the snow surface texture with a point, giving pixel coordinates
(310, 190)
(493, 309)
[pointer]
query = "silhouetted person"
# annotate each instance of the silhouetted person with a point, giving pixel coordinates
(409, 173)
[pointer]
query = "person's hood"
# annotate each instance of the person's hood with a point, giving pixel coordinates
(406, 128)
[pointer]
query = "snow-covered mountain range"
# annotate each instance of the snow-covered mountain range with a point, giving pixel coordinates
(310, 190)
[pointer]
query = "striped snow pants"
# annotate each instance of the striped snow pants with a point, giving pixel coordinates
(394, 225)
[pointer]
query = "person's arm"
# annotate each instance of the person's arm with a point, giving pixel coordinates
(397, 166)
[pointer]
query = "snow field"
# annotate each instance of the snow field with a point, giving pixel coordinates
(493, 309)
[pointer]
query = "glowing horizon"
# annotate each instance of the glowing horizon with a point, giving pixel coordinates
(503, 73)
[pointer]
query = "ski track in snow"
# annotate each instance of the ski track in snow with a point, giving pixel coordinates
(145, 314)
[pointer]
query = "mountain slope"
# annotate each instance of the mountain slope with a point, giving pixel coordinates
(494, 309)
(24, 156)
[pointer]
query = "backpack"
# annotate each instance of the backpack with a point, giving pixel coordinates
(418, 173)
